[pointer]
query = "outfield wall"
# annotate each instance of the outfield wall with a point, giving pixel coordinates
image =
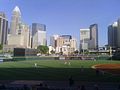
(59, 58)
(34, 58)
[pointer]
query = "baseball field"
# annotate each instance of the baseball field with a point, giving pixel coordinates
(80, 70)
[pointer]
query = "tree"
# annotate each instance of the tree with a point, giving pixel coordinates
(52, 52)
(76, 52)
(43, 49)
(9, 51)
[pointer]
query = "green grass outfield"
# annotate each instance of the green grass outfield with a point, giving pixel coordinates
(54, 70)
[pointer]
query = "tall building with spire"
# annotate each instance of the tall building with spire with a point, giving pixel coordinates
(19, 36)
(15, 21)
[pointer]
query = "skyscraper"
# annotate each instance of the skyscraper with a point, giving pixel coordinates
(19, 36)
(112, 35)
(38, 27)
(94, 36)
(15, 21)
(118, 34)
(84, 39)
(38, 35)
(53, 41)
(3, 28)
(22, 39)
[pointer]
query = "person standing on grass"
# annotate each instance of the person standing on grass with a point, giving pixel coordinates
(66, 60)
(35, 64)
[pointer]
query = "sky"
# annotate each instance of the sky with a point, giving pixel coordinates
(66, 16)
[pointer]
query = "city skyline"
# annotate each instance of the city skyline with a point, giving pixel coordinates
(66, 16)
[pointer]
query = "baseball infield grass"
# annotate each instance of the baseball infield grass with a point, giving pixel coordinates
(56, 70)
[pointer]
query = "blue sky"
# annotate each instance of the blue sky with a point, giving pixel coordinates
(66, 16)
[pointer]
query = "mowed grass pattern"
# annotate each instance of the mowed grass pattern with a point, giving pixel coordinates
(54, 70)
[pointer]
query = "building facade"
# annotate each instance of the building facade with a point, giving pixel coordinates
(53, 41)
(67, 38)
(66, 44)
(60, 41)
(112, 35)
(39, 39)
(3, 29)
(73, 44)
(93, 37)
(37, 27)
(38, 35)
(118, 34)
(84, 39)
(22, 39)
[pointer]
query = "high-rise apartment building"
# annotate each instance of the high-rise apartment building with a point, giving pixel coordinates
(3, 28)
(39, 35)
(15, 21)
(93, 37)
(84, 39)
(112, 35)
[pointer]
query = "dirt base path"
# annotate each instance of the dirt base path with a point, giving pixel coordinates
(110, 68)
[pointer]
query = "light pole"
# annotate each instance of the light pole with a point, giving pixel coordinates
(83, 46)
